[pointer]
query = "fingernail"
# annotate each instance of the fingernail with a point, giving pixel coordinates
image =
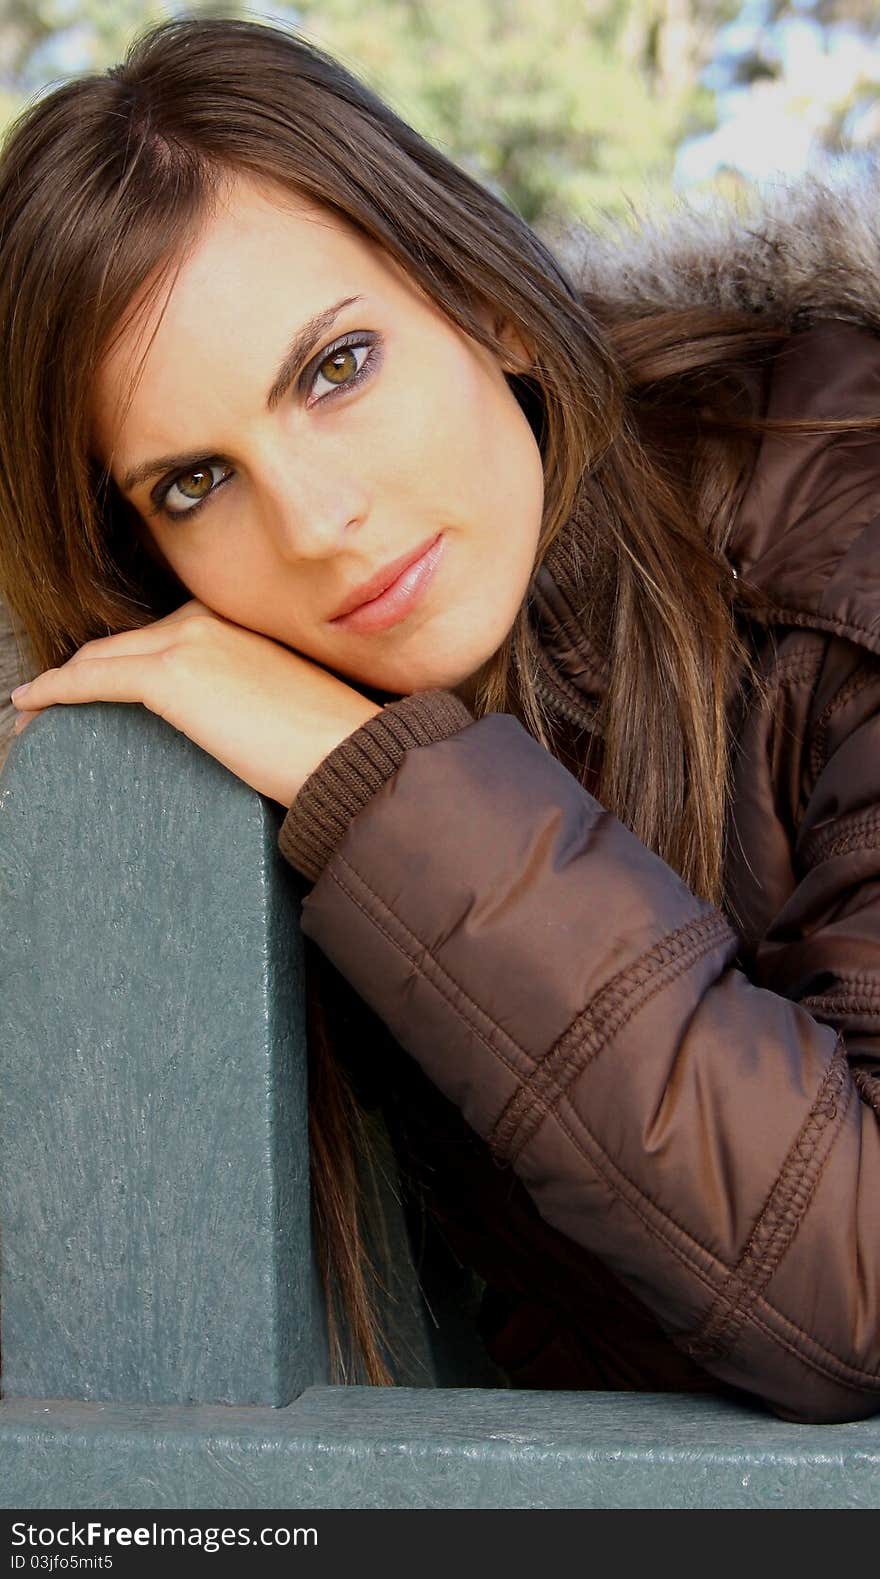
(19, 691)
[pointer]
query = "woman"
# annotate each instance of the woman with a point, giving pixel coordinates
(589, 797)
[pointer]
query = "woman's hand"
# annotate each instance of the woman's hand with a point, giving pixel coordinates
(268, 714)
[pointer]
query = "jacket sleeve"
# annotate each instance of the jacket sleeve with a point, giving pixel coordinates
(713, 1138)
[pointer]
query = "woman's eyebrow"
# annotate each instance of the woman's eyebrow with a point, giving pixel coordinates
(303, 342)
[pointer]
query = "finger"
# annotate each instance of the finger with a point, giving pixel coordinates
(123, 678)
(135, 646)
(143, 639)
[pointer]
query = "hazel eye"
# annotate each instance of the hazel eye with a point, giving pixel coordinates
(195, 485)
(341, 366)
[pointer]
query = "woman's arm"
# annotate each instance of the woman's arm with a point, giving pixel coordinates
(704, 1135)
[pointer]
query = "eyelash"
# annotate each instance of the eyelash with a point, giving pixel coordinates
(368, 366)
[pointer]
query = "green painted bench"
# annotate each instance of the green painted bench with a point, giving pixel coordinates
(163, 1343)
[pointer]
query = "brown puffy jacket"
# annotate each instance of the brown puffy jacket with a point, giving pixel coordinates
(650, 1127)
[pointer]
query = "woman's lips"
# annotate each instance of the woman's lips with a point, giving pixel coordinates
(398, 600)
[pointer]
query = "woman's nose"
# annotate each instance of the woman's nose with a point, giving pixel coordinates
(309, 516)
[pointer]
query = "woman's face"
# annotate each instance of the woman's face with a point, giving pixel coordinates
(283, 506)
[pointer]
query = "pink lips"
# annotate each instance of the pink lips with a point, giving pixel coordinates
(398, 599)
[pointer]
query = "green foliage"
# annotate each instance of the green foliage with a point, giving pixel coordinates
(550, 102)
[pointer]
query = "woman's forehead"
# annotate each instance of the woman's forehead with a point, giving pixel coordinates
(210, 326)
(255, 270)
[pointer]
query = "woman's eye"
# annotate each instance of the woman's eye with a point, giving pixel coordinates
(192, 486)
(341, 368)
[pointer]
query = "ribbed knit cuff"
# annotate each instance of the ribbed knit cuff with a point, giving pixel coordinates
(353, 772)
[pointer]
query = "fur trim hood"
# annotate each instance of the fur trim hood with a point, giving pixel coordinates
(797, 252)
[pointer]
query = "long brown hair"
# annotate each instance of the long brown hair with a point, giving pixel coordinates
(105, 181)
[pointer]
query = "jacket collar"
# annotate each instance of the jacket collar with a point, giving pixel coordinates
(573, 673)
(806, 535)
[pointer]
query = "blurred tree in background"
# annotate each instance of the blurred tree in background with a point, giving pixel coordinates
(558, 105)
(563, 107)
